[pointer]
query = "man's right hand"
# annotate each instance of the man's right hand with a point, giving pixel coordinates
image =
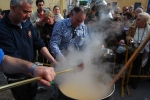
(47, 73)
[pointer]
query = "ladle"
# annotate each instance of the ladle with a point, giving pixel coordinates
(12, 85)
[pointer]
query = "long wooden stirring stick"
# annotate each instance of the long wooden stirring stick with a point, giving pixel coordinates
(132, 58)
(8, 86)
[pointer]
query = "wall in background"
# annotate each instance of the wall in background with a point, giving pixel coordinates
(48, 3)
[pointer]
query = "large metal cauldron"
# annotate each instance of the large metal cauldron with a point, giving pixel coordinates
(108, 97)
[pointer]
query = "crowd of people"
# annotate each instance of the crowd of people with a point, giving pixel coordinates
(46, 33)
(129, 27)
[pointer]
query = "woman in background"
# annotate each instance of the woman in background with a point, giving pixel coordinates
(57, 15)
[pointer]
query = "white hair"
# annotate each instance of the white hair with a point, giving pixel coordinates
(145, 16)
(139, 10)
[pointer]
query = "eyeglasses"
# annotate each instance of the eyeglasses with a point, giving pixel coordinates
(126, 9)
(138, 19)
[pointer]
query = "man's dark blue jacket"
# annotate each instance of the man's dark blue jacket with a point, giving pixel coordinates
(21, 42)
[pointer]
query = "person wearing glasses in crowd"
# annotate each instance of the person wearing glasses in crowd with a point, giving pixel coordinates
(125, 10)
(18, 38)
(12, 65)
(57, 15)
(136, 35)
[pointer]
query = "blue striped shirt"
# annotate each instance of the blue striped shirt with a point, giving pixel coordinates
(64, 36)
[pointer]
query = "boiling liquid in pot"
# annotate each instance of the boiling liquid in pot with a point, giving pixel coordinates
(86, 86)
(80, 92)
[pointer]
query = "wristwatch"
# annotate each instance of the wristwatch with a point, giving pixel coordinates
(34, 66)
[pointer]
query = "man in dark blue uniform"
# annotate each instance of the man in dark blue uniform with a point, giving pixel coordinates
(18, 38)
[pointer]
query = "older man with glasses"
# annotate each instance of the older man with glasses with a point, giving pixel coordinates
(137, 34)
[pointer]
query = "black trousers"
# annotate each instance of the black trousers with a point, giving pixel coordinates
(24, 92)
(136, 68)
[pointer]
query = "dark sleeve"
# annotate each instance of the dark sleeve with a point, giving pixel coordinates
(43, 33)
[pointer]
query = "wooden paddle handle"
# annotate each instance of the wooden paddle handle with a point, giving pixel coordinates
(8, 86)
(12, 85)
(132, 58)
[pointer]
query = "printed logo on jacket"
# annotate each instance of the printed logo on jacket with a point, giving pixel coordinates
(29, 34)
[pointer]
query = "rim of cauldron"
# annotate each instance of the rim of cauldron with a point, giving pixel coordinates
(109, 94)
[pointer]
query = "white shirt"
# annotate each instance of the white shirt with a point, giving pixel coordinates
(58, 17)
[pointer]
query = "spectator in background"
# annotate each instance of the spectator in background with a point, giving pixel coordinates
(92, 3)
(65, 13)
(116, 13)
(37, 18)
(137, 11)
(125, 10)
(131, 9)
(117, 10)
(47, 29)
(91, 20)
(57, 15)
(90, 16)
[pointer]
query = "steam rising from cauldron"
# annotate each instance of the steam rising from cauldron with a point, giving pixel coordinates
(94, 79)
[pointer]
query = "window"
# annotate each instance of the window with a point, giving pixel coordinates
(114, 4)
(137, 4)
(83, 2)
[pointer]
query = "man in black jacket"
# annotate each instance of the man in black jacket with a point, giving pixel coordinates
(18, 38)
